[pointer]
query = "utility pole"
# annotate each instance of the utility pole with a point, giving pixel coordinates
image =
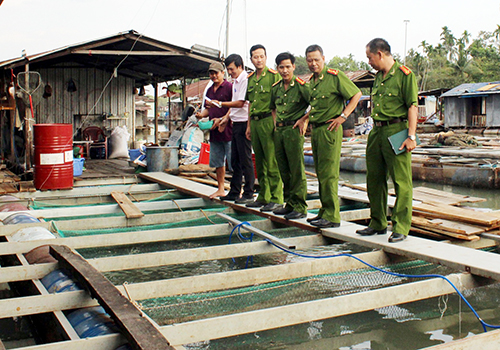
(406, 32)
(228, 11)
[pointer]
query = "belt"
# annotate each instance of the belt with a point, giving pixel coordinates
(259, 117)
(389, 122)
(286, 123)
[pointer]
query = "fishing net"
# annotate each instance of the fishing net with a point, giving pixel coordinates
(191, 307)
(30, 91)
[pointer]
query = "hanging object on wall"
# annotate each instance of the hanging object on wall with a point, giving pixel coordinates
(47, 91)
(71, 86)
(142, 91)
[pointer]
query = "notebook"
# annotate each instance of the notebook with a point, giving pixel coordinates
(397, 140)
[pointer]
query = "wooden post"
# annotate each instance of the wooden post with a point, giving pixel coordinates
(156, 112)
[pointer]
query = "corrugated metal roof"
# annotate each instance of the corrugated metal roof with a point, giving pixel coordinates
(472, 89)
(144, 59)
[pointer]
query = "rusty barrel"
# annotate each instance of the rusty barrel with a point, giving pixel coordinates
(53, 156)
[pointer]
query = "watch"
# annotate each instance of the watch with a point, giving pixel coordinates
(343, 116)
(412, 137)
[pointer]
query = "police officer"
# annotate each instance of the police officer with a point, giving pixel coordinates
(395, 98)
(260, 130)
(330, 89)
(289, 102)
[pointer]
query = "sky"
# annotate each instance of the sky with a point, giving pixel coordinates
(340, 27)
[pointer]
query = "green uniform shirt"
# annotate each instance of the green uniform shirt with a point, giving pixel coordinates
(292, 103)
(259, 91)
(393, 95)
(328, 94)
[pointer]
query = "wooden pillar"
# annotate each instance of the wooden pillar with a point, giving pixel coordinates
(184, 97)
(156, 112)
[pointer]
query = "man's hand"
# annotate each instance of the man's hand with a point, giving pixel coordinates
(302, 125)
(335, 123)
(216, 123)
(409, 144)
(223, 124)
(248, 134)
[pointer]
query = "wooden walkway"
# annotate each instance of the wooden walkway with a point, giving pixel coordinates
(477, 262)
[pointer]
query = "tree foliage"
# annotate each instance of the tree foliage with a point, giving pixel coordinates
(456, 60)
(345, 64)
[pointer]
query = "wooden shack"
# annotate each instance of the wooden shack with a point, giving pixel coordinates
(91, 84)
(472, 105)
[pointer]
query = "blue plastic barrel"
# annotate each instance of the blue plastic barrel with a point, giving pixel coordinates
(91, 322)
(19, 218)
(58, 282)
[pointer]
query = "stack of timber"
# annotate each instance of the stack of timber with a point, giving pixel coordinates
(439, 214)
(11, 183)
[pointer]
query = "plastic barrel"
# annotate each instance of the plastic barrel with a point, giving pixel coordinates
(91, 322)
(12, 206)
(19, 218)
(58, 282)
(53, 156)
(32, 234)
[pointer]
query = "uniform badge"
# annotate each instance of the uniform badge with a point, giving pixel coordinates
(405, 70)
(272, 71)
(300, 81)
(332, 71)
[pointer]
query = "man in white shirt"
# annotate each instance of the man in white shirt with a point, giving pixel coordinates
(241, 147)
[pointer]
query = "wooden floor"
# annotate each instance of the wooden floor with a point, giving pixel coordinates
(464, 259)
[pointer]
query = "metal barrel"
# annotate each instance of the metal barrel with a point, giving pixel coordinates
(32, 234)
(53, 156)
(91, 322)
(58, 281)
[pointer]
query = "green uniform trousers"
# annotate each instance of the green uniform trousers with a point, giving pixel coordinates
(271, 187)
(289, 145)
(381, 162)
(326, 147)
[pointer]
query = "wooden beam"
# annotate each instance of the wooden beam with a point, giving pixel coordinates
(129, 209)
(477, 262)
(139, 331)
(184, 256)
(127, 53)
(288, 315)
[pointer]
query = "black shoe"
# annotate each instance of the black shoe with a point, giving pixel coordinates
(370, 232)
(396, 237)
(230, 197)
(313, 219)
(323, 223)
(255, 204)
(244, 200)
(282, 211)
(271, 206)
(294, 215)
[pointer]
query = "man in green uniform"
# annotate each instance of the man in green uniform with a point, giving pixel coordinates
(289, 102)
(330, 89)
(260, 130)
(395, 98)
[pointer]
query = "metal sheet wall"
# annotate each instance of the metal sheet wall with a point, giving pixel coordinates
(62, 106)
(493, 110)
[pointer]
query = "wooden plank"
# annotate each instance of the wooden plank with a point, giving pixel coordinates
(184, 256)
(138, 330)
(206, 181)
(444, 195)
(458, 227)
(130, 209)
(458, 258)
(458, 214)
(288, 315)
(484, 341)
(434, 232)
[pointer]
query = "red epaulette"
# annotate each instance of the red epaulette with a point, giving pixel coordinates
(249, 75)
(276, 83)
(332, 71)
(272, 71)
(405, 70)
(300, 81)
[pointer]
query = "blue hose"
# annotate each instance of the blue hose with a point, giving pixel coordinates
(483, 323)
(249, 258)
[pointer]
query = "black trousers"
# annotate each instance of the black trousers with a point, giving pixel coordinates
(241, 161)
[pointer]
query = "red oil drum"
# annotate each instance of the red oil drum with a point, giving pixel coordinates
(53, 156)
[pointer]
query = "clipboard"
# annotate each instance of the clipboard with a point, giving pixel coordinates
(397, 140)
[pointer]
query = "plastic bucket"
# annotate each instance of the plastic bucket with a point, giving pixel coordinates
(32, 234)
(78, 166)
(19, 218)
(53, 156)
(204, 157)
(161, 158)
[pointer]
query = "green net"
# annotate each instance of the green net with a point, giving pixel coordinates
(190, 307)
